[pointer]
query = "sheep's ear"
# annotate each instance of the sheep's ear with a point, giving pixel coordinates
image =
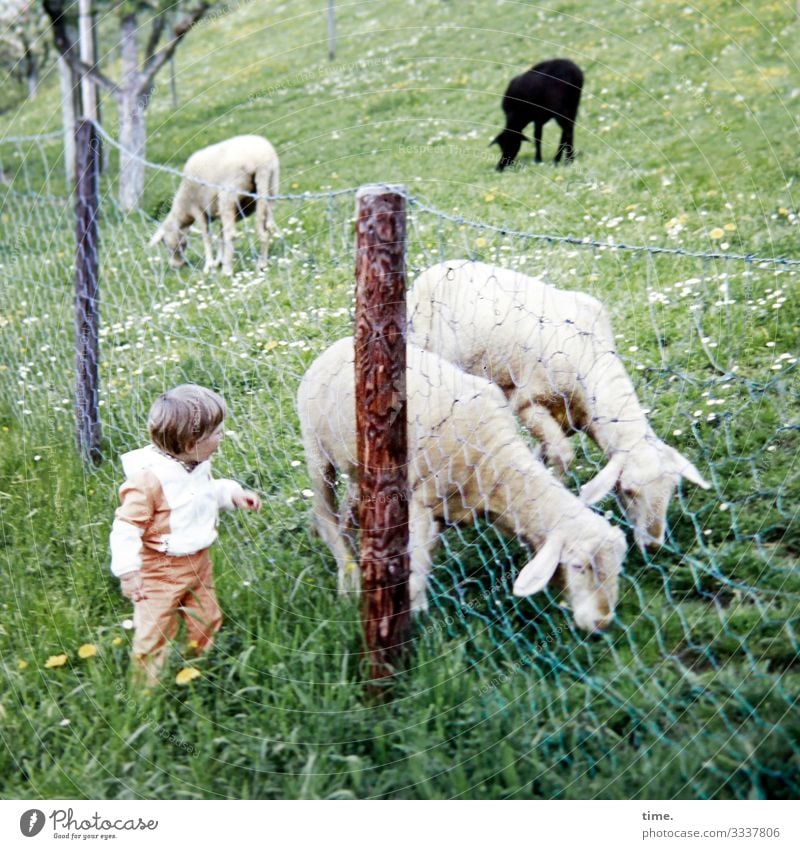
(157, 237)
(536, 574)
(687, 469)
(603, 482)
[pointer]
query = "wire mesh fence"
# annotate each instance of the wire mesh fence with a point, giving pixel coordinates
(705, 640)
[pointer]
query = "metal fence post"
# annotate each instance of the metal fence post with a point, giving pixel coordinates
(380, 365)
(86, 290)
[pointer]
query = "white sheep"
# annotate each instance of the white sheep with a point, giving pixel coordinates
(213, 184)
(467, 459)
(552, 352)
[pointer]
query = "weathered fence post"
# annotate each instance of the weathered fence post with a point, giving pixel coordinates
(380, 346)
(86, 306)
(332, 30)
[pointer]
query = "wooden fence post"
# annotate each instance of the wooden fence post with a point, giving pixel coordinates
(86, 306)
(380, 365)
(332, 30)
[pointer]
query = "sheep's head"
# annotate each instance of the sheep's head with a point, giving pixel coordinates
(590, 567)
(174, 238)
(645, 479)
(509, 142)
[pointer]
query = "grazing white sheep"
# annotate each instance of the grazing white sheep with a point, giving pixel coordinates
(467, 459)
(552, 352)
(213, 186)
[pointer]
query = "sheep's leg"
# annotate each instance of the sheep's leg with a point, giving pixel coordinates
(228, 218)
(208, 247)
(538, 126)
(348, 516)
(218, 260)
(265, 224)
(329, 525)
(565, 145)
(423, 531)
(555, 445)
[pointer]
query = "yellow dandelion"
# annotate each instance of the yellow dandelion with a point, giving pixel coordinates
(22, 664)
(193, 644)
(55, 660)
(87, 650)
(730, 228)
(295, 185)
(268, 346)
(187, 674)
(716, 233)
(782, 211)
(117, 641)
(488, 197)
(480, 242)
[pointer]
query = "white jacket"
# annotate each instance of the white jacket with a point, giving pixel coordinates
(165, 509)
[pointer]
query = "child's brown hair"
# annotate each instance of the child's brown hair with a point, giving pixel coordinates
(183, 416)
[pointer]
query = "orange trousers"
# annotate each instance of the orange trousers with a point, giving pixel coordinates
(176, 588)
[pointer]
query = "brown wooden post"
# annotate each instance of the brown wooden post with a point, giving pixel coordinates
(86, 306)
(380, 364)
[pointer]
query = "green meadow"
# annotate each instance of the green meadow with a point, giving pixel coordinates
(686, 141)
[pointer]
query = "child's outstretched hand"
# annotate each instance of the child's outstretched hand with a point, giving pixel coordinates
(132, 586)
(247, 501)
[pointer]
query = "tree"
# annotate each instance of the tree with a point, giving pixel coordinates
(133, 90)
(23, 45)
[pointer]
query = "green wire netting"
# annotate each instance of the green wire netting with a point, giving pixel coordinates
(706, 637)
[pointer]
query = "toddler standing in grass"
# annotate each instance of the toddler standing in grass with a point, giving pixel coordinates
(166, 523)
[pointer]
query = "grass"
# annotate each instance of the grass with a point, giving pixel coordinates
(685, 128)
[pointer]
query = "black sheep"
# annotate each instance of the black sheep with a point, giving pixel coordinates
(551, 89)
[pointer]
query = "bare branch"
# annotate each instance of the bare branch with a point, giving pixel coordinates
(154, 63)
(66, 47)
(159, 22)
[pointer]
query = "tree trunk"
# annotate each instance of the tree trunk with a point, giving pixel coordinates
(87, 54)
(69, 86)
(132, 135)
(132, 131)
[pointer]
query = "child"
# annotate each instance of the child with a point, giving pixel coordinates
(167, 521)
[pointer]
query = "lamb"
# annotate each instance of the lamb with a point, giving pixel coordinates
(551, 89)
(552, 352)
(217, 182)
(467, 458)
